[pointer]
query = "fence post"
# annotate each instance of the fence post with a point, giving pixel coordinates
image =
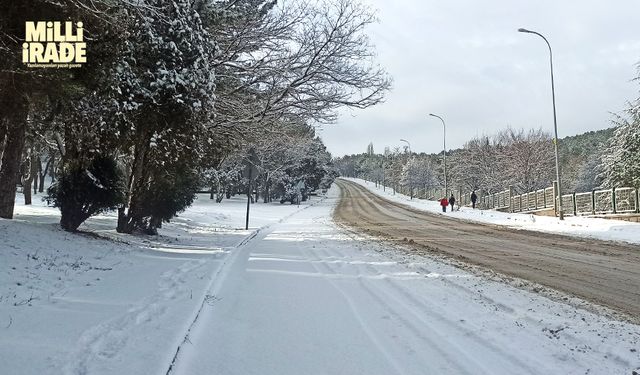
(510, 201)
(593, 202)
(544, 197)
(575, 206)
(520, 198)
(613, 199)
(637, 204)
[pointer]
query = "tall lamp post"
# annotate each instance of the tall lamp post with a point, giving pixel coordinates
(555, 121)
(444, 147)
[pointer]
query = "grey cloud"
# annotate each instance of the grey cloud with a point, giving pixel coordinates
(466, 61)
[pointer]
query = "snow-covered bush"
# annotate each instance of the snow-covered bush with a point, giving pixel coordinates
(82, 192)
(172, 192)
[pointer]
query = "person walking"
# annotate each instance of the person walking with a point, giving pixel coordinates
(452, 201)
(474, 198)
(444, 203)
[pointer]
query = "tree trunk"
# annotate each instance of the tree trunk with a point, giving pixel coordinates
(10, 167)
(36, 181)
(27, 182)
(26, 190)
(121, 227)
(3, 135)
(128, 214)
(71, 219)
(266, 189)
(52, 169)
(43, 173)
(219, 192)
(36, 170)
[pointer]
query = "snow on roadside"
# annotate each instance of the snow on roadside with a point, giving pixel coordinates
(603, 229)
(81, 303)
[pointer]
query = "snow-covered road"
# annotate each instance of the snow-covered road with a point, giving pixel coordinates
(307, 297)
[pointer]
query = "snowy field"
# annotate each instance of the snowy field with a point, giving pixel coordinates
(603, 229)
(294, 295)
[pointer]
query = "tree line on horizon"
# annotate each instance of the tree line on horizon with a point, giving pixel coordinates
(517, 158)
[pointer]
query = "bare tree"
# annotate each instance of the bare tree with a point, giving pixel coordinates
(303, 58)
(474, 166)
(526, 158)
(419, 172)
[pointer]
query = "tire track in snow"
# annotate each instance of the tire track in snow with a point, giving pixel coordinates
(470, 366)
(366, 327)
(420, 309)
(407, 301)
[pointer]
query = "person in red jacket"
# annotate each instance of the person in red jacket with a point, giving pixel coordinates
(444, 203)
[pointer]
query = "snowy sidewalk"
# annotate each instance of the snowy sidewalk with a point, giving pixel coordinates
(306, 297)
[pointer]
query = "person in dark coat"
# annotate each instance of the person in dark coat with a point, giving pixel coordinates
(474, 198)
(444, 203)
(452, 202)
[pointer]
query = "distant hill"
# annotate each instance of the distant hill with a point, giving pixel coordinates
(584, 144)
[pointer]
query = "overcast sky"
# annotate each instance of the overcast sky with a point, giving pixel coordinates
(465, 60)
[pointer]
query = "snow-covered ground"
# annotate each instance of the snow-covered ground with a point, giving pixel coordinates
(298, 296)
(604, 229)
(82, 304)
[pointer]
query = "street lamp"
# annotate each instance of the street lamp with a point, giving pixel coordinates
(555, 121)
(408, 144)
(444, 157)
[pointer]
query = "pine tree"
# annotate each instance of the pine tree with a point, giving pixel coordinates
(165, 87)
